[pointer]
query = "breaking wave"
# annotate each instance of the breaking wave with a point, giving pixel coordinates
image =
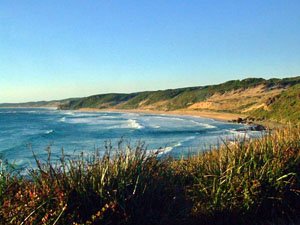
(134, 124)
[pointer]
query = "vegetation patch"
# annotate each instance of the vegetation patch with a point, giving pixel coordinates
(180, 98)
(253, 180)
(283, 108)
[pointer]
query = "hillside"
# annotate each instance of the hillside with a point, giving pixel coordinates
(282, 108)
(54, 103)
(250, 96)
(273, 99)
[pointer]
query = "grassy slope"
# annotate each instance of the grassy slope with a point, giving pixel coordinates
(256, 180)
(282, 108)
(177, 98)
(236, 96)
(173, 99)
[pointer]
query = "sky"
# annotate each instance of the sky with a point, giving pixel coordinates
(54, 49)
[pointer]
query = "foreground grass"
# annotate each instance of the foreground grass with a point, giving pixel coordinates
(246, 183)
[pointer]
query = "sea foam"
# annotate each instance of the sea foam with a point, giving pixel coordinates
(134, 124)
(205, 125)
(49, 131)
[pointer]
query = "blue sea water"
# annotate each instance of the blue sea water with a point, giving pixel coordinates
(23, 130)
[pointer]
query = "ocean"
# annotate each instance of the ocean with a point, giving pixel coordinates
(27, 130)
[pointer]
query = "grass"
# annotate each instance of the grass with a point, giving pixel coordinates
(173, 99)
(254, 180)
(283, 108)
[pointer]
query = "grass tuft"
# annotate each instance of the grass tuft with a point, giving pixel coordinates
(254, 180)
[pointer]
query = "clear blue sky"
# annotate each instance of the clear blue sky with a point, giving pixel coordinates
(53, 49)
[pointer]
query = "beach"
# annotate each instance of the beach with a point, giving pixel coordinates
(222, 116)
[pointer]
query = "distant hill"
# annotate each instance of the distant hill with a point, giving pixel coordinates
(273, 99)
(38, 104)
(213, 97)
(264, 99)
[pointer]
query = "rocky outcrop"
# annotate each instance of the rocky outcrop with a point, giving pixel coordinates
(246, 120)
(249, 121)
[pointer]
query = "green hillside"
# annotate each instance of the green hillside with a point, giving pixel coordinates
(273, 99)
(54, 103)
(183, 98)
(177, 98)
(282, 108)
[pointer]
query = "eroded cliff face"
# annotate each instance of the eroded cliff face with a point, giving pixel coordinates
(284, 108)
(239, 101)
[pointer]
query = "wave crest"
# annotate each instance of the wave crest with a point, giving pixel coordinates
(134, 124)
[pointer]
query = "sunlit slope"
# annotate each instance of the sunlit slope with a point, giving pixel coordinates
(273, 99)
(282, 108)
(238, 96)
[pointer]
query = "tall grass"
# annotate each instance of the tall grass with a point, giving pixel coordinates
(249, 180)
(243, 183)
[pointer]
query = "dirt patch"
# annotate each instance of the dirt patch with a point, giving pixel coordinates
(240, 101)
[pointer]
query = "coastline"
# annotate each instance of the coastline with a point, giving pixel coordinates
(25, 107)
(222, 116)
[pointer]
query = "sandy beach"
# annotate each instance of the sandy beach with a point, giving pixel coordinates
(205, 114)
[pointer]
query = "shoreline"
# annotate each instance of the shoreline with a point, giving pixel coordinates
(24, 107)
(204, 114)
(220, 116)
